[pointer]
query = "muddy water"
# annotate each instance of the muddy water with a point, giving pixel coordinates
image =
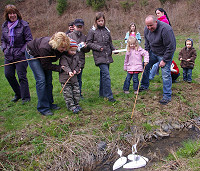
(154, 150)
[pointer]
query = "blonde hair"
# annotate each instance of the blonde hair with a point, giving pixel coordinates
(132, 40)
(59, 39)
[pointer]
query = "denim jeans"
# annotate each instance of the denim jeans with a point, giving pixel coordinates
(166, 75)
(128, 79)
(44, 85)
(79, 77)
(20, 88)
(187, 74)
(154, 70)
(105, 82)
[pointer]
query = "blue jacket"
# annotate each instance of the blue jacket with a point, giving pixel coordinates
(138, 37)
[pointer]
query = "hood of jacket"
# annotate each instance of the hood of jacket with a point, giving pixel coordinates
(190, 40)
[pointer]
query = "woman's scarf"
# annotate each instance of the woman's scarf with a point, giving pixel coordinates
(11, 26)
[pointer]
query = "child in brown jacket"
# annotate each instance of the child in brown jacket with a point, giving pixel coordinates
(187, 57)
(71, 68)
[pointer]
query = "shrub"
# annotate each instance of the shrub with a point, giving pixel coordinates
(96, 4)
(61, 6)
(126, 5)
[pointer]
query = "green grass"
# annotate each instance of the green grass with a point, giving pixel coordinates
(30, 141)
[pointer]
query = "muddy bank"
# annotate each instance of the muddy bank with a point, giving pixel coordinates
(155, 150)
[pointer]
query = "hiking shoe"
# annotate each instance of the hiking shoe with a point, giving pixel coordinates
(111, 100)
(55, 107)
(164, 101)
(143, 89)
(79, 107)
(25, 101)
(126, 92)
(75, 110)
(15, 99)
(47, 113)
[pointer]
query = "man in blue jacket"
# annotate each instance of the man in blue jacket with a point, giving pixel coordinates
(160, 42)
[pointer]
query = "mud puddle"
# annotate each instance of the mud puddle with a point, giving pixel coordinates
(155, 150)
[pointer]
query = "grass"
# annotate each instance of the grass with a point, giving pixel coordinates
(30, 141)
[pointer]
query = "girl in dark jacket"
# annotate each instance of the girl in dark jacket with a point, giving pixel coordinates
(15, 35)
(99, 40)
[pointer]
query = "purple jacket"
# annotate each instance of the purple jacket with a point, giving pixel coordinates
(22, 36)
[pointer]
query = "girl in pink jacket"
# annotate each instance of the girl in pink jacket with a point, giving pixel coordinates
(133, 63)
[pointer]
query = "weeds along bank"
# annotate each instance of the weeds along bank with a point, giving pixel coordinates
(44, 19)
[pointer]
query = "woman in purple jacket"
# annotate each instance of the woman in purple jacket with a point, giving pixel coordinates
(15, 35)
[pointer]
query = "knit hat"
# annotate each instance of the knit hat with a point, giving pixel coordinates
(73, 43)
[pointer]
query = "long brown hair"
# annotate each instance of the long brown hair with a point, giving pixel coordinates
(11, 9)
(97, 17)
(130, 28)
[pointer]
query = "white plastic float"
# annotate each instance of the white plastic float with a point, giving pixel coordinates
(137, 161)
(120, 162)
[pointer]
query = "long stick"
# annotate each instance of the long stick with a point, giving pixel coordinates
(27, 60)
(137, 92)
(65, 84)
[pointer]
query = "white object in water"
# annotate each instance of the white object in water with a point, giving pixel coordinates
(120, 50)
(137, 162)
(120, 162)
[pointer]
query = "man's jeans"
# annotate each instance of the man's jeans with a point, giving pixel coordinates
(187, 74)
(154, 71)
(166, 75)
(128, 79)
(105, 82)
(44, 85)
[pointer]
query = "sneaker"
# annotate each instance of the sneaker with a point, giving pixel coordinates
(47, 113)
(136, 92)
(143, 89)
(15, 99)
(55, 107)
(126, 92)
(25, 101)
(164, 101)
(111, 100)
(189, 81)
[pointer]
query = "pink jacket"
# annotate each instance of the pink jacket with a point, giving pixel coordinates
(164, 19)
(133, 59)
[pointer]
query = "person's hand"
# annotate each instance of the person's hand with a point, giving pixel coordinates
(145, 63)
(101, 49)
(71, 74)
(62, 67)
(162, 64)
(74, 72)
(181, 59)
(79, 71)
